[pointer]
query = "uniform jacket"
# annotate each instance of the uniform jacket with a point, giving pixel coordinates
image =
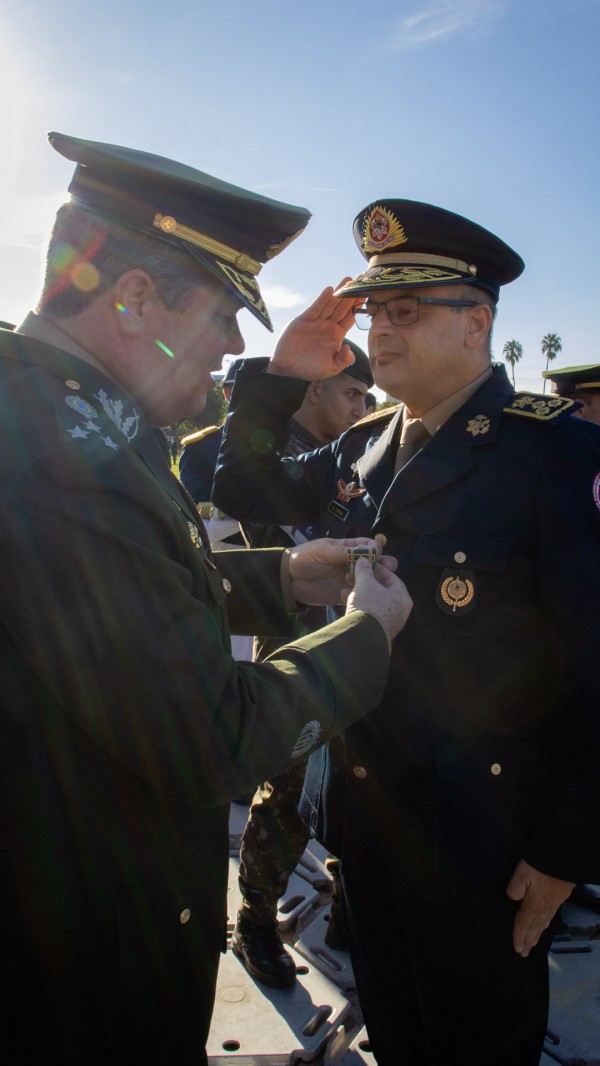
(126, 725)
(197, 464)
(486, 744)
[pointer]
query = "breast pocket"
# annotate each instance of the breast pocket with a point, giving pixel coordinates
(463, 584)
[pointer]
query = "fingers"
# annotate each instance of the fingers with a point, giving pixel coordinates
(528, 927)
(541, 896)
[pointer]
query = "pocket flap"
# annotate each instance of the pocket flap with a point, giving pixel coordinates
(450, 549)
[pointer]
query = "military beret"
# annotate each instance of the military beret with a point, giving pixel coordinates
(410, 244)
(230, 231)
(570, 379)
(361, 368)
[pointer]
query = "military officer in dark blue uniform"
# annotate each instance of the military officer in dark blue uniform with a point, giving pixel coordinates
(127, 726)
(472, 795)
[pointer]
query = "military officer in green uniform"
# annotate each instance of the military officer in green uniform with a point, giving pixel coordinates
(470, 815)
(579, 383)
(127, 726)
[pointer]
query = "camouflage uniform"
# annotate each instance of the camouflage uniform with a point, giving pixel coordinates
(275, 835)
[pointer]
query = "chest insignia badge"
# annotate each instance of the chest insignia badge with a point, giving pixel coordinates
(479, 424)
(456, 593)
(348, 491)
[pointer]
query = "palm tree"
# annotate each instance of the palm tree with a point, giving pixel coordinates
(551, 346)
(512, 352)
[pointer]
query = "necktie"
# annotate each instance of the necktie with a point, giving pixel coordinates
(412, 438)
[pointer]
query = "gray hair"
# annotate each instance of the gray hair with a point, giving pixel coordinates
(87, 255)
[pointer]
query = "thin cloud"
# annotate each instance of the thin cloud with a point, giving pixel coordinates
(441, 20)
(279, 296)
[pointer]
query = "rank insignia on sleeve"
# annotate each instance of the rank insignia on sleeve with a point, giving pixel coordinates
(596, 490)
(348, 491)
(456, 592)
(307, 739)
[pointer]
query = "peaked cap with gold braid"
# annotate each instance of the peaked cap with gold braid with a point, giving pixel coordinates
(409, 244)
(228, 230)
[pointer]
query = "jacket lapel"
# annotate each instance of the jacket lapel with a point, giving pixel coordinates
(376, 467)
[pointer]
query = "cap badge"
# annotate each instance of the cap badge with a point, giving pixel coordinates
(479, 424)
(382, 230)
(456, 592)
(348, 491)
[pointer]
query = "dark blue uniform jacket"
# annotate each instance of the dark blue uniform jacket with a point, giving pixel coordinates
(486, 745)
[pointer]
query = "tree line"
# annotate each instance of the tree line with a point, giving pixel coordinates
(513, 352)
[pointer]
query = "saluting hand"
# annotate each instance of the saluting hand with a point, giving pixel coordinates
(311, 346)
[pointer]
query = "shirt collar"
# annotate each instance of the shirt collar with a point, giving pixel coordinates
(436, 416)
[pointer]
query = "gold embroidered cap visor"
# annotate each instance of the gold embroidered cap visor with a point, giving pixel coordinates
(228, 230)
(410, 244)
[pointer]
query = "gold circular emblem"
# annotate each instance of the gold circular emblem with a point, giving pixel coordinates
(496, 769)
(456, 592)
(460, 557)
(168, 224)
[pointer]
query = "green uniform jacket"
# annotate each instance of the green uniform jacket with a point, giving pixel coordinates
(126, 724)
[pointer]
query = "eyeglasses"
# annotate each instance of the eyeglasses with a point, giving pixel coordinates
(402, 311)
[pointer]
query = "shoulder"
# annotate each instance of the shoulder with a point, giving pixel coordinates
(546, 410)
(200, 434)
(378, 418)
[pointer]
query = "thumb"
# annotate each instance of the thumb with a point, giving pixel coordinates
(517, 885)
(363, 572)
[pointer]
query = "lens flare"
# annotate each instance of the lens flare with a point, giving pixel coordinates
(164, 348)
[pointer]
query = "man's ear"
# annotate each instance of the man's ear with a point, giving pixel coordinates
(135, 297)
(313, 391)
(478, 323)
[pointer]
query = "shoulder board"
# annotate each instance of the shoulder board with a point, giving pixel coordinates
(383, 415)
(200, 434)
(541, 408)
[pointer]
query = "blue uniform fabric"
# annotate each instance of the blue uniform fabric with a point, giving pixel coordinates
(485, 747)
(126, 725)
(197, 465)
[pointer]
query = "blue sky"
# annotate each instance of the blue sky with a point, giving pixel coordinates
(486, 107)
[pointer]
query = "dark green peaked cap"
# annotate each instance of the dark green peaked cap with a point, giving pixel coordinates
(569, 379)
(230, 231)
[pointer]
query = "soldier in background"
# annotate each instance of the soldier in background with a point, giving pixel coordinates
(276, 836)
(580, 383)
